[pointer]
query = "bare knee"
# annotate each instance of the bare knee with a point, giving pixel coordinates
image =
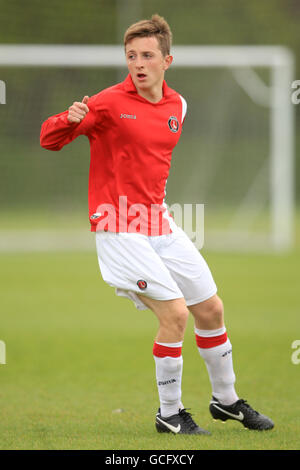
(208, 314)
(215, 310)
(172, 316)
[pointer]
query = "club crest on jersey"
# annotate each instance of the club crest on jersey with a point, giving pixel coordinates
(173, 123)
(142, 284)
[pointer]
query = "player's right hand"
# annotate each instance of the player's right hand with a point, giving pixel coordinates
(78, 110)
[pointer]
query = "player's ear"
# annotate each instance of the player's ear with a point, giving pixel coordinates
(167, 61)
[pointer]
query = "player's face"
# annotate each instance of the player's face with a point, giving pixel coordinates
(146, 63)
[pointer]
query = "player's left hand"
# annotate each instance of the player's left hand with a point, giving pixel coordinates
(78, 110)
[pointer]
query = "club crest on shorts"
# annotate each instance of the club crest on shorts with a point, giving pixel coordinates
(173, 123)
(142, 284)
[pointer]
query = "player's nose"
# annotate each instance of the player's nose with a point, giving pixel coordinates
(139, 63)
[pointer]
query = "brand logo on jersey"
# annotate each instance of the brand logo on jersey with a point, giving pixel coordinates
(127, 116)
(173, 124)
(142, 284)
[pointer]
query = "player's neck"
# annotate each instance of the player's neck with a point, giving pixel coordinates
(154, 94)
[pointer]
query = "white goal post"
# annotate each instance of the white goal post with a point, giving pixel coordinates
(241, 60)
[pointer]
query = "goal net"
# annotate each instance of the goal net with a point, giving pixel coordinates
(235, 155)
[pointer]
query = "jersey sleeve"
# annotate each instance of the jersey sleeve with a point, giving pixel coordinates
(57, 131)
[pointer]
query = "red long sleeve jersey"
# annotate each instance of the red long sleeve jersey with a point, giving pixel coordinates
(131, 143)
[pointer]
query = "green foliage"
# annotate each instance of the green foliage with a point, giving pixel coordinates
(192, 21)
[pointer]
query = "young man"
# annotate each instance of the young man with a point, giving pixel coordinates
(132, 128)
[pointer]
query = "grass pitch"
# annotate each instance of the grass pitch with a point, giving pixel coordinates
(80, 371)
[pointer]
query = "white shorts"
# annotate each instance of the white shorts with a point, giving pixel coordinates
(163, 267)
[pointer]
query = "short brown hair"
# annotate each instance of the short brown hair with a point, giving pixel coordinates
(157, 27)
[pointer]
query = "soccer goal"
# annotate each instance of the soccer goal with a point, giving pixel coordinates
(235, 155)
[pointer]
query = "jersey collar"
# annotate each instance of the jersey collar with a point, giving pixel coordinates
(129, 86)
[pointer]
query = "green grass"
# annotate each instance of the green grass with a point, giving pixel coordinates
(76, 352)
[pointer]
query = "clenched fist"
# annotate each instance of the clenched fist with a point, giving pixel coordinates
(78, 110)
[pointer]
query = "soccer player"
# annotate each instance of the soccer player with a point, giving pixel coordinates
(132, 128)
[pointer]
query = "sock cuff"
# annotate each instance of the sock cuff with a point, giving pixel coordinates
(209, 333)
(210, 338)
(167, 349)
